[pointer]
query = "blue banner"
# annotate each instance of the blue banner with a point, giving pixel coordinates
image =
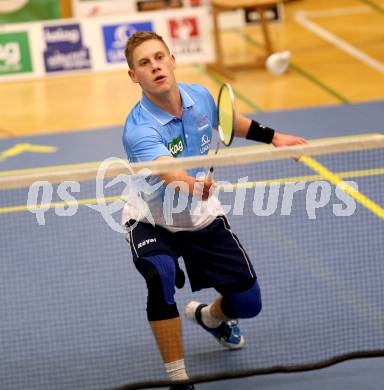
(65, 50)
(116, 36)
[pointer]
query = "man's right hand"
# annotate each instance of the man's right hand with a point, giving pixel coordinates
(204, 188)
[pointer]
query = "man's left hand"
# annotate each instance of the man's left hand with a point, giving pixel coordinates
(280, 139)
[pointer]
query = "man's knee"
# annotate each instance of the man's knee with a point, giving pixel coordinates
(241, 301)
(159, 272)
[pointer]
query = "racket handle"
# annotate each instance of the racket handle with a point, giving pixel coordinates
(210, 174)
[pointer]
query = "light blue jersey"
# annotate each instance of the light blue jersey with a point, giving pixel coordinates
(151, 132)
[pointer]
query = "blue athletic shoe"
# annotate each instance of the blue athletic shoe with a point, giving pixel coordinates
(228, 333)
(187, 386)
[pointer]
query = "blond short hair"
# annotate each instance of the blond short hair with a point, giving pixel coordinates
(136, 39)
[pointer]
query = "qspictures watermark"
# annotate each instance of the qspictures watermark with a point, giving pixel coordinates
(261, 198)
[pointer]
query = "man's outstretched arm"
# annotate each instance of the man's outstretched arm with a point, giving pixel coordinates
(250, 129)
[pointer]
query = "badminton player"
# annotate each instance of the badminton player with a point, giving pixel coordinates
(176, 120)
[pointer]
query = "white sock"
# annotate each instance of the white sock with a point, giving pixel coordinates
(208, 319)
(176, 370)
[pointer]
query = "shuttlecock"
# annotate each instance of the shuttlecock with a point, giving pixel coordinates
(277, 63)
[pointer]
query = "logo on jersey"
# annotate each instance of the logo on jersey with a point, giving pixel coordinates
(145, 242)
(202, 119)
(205, 144)
(176, 146)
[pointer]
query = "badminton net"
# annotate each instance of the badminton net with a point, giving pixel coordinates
(74, 307)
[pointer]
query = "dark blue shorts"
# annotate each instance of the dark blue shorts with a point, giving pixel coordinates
(213, 256)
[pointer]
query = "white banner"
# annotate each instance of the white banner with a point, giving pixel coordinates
(97, 44)
(88, 8)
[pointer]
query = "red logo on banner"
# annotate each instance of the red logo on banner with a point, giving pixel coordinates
(185, 36)
(195, 3)
(184, 28)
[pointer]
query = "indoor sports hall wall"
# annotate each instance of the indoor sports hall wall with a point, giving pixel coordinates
(38, 49)
(94, 40)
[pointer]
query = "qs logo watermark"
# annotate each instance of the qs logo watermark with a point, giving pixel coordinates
(144, 197)
(135, 186)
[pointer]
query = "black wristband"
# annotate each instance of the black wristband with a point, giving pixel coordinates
(260, 133)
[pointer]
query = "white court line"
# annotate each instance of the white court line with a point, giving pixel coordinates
(338, 11)
(302, 19)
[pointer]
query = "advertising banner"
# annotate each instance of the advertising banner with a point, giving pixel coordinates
(97, 44)
(185, 35)
(116, 35)
(15, 54)
(17, 11)
(155, 5)
(87, 8)
(274, 13)
(64, 49)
